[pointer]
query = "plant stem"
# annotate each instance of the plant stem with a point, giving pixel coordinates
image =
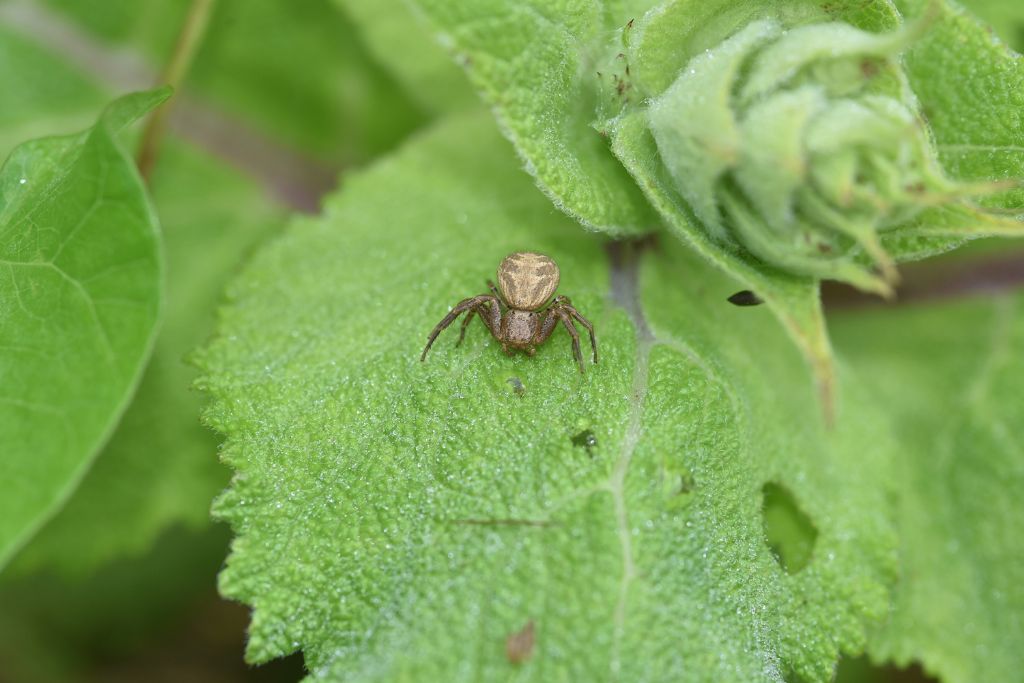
(174, 73)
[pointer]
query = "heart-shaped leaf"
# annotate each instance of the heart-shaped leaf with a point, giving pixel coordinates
(80, 288)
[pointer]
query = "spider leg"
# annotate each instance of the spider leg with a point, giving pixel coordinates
(565, 304)
(494, 290)
(493, 317)
(547, 326)
(488, 320)
(590, 328)
(566, 319)
(561, 309)
(465, 323)
(469, 304)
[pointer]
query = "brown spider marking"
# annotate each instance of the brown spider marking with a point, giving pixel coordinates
(512, 311)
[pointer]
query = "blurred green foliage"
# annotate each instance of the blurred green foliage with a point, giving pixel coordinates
(298, 72)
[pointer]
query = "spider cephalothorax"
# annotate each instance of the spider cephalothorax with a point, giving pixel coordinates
(517, 312)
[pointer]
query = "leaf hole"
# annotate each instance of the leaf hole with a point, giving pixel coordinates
(788, 530)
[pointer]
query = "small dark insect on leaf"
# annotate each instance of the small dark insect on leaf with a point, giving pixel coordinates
(517, 385)
(745, 298)
(519, 645)
(585, 439)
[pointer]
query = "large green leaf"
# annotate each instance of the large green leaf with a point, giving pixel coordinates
(399, 520)
(80, 293)
(951, 377)
(160, 466)
(537, 64)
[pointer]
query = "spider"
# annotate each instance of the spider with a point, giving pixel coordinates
(513, 315)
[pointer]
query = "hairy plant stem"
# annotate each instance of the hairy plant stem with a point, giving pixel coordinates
(189, 39)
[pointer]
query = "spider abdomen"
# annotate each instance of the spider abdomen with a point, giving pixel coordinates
(527, 279)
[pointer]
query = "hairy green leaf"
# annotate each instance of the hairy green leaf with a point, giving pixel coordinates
(537, 63)
(951, 378)
(80, 288)
(399, 520)
(160, 467)
(971, 89)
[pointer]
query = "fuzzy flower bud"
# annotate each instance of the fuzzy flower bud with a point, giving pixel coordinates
(802, 146)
